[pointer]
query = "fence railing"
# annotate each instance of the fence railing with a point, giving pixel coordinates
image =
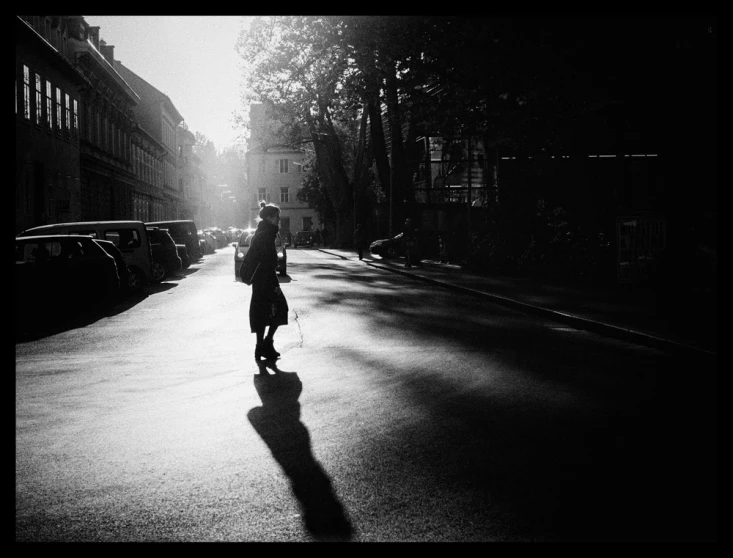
(457, 195)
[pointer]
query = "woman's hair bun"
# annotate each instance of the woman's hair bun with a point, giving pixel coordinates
(262, 204)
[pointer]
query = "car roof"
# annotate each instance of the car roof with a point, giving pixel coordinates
(83, 224)
(37, 237)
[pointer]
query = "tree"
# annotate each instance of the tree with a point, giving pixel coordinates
(294, 66)
(314, 194)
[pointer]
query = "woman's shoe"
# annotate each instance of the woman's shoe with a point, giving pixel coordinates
(268, 350)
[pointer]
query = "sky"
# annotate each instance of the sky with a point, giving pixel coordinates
(192, 59)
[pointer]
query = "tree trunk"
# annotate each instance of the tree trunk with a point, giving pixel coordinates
(379, 147)
(399, 174)
(333, 176)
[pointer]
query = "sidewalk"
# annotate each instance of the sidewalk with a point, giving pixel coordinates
(629, 315)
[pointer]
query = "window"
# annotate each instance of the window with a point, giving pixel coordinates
(283, 165)
(91, 233)
(49, 105)
(59, 112)
(97, 127)
(26, 92)
(262, 195)
(123, 238)
(284, 195)
(76, 119)
(67, 113)
(298, 166)
(39, 100)
(105, 134)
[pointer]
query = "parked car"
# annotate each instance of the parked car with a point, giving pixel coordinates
(183, 254)
(130, 237)
(203, 248)
(122, 271)
(219, 237)
(210, 241)
(387, 247)
(183, 231)
(233, 234)
(60, 272)
(303, 238)
(166, 260)
(242, 247)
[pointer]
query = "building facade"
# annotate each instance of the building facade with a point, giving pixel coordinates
(149, 202)
(48, 93)
(190, 175)
(158, 116)
(107, 124)
(274, 175)
(95, 141)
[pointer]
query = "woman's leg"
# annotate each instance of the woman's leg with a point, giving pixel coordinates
(268, 347)
(271, 332)
(260, 333)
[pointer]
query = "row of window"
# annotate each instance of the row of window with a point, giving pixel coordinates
(46, 105)
(147, 208)
(105, 133)
(281, 166)
(55, 199)
(146, 167)
(264, 195)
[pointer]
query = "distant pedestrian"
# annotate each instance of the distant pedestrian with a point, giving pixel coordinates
(443, 247)
(410, 244)
(359, 241)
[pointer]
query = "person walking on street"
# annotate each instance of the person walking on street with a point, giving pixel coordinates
(410, 244)
(359, 241)
(268, 306)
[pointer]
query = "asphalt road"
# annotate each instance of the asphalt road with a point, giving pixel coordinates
(398, 412)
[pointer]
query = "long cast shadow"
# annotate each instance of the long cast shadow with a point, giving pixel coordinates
(277, 422)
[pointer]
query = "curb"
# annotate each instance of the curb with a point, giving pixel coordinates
(622, 333)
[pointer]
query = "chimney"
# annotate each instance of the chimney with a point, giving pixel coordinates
(94, 36)
(108, 51)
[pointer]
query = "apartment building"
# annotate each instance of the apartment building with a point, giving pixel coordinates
(158, 116)
(48, 93)
(191, 177)
(149, 202)
(274, 174)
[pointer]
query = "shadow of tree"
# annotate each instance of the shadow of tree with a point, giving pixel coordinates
(585, 447)
(277, 422)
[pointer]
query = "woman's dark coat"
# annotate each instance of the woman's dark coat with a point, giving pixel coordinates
(268, 306)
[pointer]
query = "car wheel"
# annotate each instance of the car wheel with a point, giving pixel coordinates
(158, 272)
(137, 281)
